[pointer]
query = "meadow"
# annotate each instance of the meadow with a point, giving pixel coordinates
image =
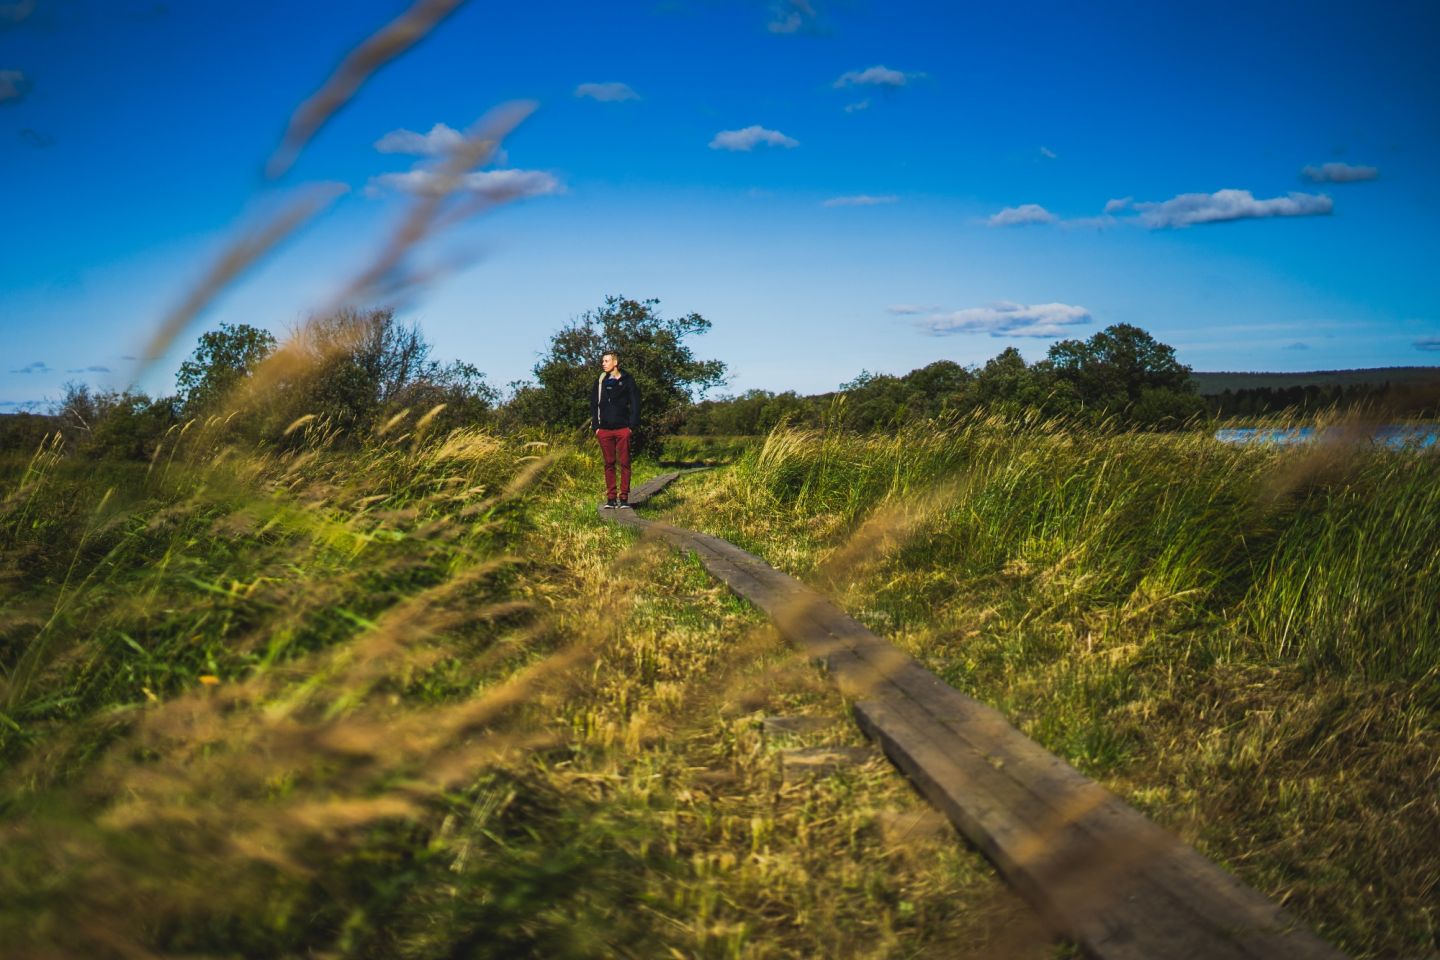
(1243, 642)
(415, 700)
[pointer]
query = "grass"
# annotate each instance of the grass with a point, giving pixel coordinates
(704, 449)
(1243, 642)
(417, 701)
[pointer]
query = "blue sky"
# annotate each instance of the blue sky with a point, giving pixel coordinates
(837, 186)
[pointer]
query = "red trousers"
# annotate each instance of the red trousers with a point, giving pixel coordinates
(615, 445)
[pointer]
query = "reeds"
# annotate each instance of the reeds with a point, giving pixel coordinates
(1243, 641)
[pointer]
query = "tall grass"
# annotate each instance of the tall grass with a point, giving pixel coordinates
(1324, 556)
(1244, 641)
(416, 701)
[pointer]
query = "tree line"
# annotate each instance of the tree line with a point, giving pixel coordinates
(357, 372)
(1121, 375)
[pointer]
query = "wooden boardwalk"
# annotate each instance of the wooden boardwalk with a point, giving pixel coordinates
(1100, 872)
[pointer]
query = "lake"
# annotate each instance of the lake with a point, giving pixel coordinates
(1398, 436)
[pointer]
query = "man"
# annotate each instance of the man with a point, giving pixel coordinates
(615, 413)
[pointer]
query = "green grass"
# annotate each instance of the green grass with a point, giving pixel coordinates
(1244, 642)
(418, 701)
(705, 449)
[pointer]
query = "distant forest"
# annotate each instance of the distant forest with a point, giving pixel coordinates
(359, 374)
(1412, 389)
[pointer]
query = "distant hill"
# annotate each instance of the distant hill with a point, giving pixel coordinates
(1211, 384)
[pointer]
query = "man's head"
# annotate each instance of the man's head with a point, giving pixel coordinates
(610, 362)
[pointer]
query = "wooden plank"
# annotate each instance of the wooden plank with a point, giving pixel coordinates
(1104, 875)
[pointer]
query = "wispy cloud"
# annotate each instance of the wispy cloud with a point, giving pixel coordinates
(1048, 154)
(36, 139)
(1103, 222)
(498, 186)
(910, 309)
(14, 86)
(1007, 319)
(94, 369)
(1297, 345)
(22, 406)
(1427, 343)
(1339, 173)
(39, 366)
(877, 76)
(607, 92)
(792, 16)
(1189, 209)
(860, 200)
(13, 13)
(440, 140)
(1114, 206)
(858, 105)
(1026, 213)
(749, 138)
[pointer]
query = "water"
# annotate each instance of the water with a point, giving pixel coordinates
(1408, 436)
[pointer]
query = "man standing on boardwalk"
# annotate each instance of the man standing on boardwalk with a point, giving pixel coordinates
(615, 413)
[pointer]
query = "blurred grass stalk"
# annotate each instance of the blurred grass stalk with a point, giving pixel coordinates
(1243, 641)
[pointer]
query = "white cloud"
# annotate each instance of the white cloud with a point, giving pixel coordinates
(440, 140)
(910, 309)
(860, 200)
(14, 86)
(748, 138)
(1427, 343)
(1019, 216)
(1192, 208)
(858, 105)
(607, 92)
(791, 16)
(1047, 153)
(1338, 173)
(1007, 319)
(496, 185)
(876, 76)
(1114, 206)
(1102, 222)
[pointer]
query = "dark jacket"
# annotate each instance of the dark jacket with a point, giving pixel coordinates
(615, 403)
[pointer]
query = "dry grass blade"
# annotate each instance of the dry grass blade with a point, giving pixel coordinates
(241, 254)
(379, 49)
(430, 211)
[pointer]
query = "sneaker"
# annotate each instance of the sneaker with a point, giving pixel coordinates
(624, 503)
(609, 505)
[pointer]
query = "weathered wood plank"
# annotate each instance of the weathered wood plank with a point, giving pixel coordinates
(1103, 874)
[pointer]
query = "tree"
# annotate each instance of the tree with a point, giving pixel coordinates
(223, 358)
(652, 349)
(354, 367)
(1124, 370)
(937, 386)
(875, 400)
(1008, 384)
(1117, 366)
(114, 424)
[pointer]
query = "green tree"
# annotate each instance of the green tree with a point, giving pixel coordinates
(358, 366)
(1116, 366)
(223, 358)
(652, 349)
(1008, 384)
(875, 400)
(111, 424)
(937, 386)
